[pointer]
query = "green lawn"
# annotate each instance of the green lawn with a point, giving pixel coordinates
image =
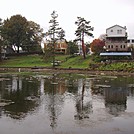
(67, 61)
(36, 60)
(24, 61)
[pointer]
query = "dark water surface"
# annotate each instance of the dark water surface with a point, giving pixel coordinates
(66, 104)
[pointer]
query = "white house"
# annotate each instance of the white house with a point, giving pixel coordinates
(116, 42)
(116, 31)
(116, 39)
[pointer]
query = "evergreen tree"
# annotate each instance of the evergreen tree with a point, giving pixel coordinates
(55, 33)
(83, 29)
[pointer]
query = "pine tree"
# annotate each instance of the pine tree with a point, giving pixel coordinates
(55, 33)
(83, 29)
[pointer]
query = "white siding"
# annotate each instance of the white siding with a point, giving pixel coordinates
(116, 31)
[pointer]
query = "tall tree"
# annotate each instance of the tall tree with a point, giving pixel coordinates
(83, 29)
(14, 30)
(54, 32)
(20, 33)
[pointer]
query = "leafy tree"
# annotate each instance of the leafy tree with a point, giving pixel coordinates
(55, 33)
(97, 46)
(83, 29)
(18, 32)
(14, 31)
(33, 37)
(72, 47)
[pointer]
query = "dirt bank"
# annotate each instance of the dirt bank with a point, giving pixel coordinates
(62, 70)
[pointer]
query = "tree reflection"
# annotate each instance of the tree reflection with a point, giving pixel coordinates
(72, 84)
(54, 99)
(17, 89)
(83, 101)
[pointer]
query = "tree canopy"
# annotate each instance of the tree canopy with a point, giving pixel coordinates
(55, 32)
(72, 47)
(97, 46)
(19, 32)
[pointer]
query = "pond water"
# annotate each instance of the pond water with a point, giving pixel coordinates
(66, 104)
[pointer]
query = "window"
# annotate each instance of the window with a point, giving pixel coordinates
(111, 30)
(111, 46)
(108, 46)
(124, 46)
(119, 31)
(121, 46)
(128, 41)
(132, 41)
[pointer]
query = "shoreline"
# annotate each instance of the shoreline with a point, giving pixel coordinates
(63, 70)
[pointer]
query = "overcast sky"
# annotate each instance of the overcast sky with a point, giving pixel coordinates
(101, 13)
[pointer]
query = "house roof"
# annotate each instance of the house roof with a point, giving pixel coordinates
(116, 54)
(116, 25)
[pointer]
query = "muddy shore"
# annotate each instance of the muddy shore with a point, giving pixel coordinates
(62, 70)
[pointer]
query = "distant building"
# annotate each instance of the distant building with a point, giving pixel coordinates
(60, 46)
(116, 39)
(116, 43)
(130, 42)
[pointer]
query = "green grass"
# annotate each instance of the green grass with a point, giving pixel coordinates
(36, 60)
(76, 62)
(24, 61)
(119, 66)
(67, 61)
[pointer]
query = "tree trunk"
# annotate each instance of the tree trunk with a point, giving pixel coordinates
(0, 54)
(83, 47)
(18, 49)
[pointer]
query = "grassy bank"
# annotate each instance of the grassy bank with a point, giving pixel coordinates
(91, 63)
(24, 61)
(37, 60)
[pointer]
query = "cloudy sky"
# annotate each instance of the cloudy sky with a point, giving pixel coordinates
(101, 13)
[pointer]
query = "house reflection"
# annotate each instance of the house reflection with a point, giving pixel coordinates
(16, 83)
(114, 91)
(115, 100)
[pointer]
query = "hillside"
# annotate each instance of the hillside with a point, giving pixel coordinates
(90, 63)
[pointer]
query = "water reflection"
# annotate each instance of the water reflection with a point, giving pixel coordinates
(83, 100)
(54, 99)
(17, 89)
(22, 96)
(116, 96)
